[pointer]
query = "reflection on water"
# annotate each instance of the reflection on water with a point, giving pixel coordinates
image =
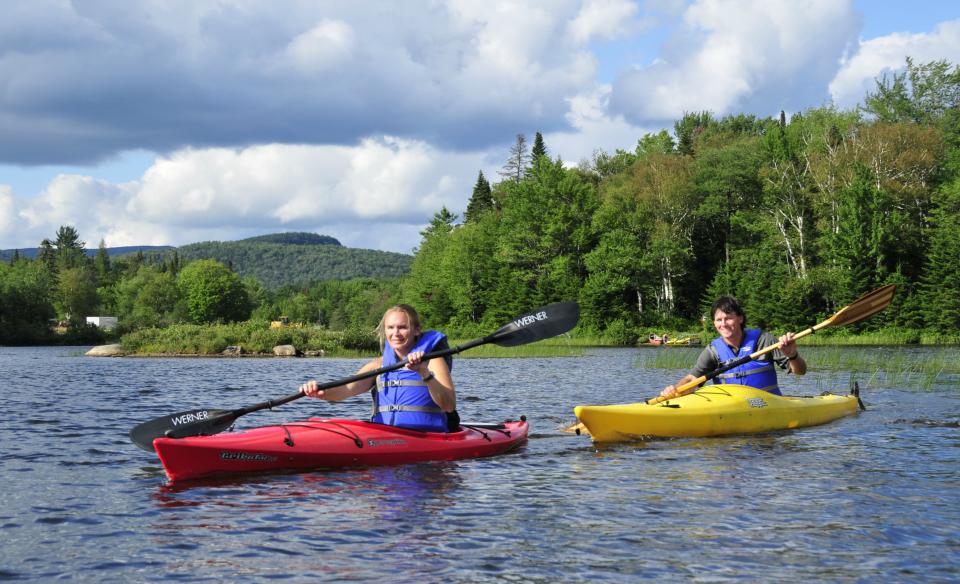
(867, 498)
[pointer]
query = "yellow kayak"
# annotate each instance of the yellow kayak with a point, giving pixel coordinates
(713, 410)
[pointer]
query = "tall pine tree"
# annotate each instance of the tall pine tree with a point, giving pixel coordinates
(539, 148)
(480, 201)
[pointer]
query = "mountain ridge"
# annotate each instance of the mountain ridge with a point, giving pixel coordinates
(276, 260)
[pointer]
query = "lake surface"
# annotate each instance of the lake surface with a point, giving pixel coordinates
(871, 498)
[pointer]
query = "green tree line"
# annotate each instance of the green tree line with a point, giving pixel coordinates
(62, 286)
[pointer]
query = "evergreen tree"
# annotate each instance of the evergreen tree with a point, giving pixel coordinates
(480, 201)
(442, 222)
(70, 252)
(47, 256)
(539, 148)
(940, 282)
(857, 250)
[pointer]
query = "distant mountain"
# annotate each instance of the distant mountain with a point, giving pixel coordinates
(294, 258)
(31, 252)
(277, 259)
(295, 238)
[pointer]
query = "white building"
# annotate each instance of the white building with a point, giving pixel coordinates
(104, 322)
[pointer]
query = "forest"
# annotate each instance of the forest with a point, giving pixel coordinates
(795, 215)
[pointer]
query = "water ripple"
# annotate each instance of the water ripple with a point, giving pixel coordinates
(873, 497)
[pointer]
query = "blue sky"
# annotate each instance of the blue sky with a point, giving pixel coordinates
(189, 120)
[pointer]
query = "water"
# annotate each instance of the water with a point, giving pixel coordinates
(871, 498)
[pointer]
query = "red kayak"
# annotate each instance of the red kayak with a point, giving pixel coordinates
(329, 443)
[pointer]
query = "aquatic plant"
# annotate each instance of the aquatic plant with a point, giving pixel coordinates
(882, 365)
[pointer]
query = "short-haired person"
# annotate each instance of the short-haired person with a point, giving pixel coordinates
(419, 395)
(736, 341)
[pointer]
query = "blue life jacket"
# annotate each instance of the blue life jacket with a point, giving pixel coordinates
(401, 397)
(753, 373)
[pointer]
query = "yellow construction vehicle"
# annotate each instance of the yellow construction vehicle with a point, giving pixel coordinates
(284, 322)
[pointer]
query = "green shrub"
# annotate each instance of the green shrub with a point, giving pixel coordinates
(357, 339)
(619, 332)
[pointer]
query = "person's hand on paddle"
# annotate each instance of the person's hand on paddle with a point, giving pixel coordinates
(312, 389)
(788, 346)
(416, 363)
(670, 391)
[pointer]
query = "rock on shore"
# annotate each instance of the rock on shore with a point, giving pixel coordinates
(106, 351)
(285, 351)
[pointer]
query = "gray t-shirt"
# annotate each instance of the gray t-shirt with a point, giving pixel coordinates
(709, 360)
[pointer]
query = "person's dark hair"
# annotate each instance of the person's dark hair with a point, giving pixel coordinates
(729, 305)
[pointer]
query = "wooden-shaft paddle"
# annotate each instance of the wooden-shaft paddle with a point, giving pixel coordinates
(860, 309)
(542, 323)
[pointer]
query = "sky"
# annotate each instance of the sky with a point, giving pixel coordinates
(167, 122)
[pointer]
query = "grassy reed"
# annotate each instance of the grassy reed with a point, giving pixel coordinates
(886, 366)
(847, 336)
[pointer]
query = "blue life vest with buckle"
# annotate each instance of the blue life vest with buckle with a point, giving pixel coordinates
(401, 397)
(756, 374)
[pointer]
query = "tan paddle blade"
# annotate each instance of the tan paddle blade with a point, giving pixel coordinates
(576, 428)
(863, 307)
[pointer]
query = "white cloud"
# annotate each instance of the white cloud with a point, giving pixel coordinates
(8, 212)
(328, 44)
(377, 195)
(81, 201)
(886, 54)
(737, 55)
(605, 19)
(593, 128)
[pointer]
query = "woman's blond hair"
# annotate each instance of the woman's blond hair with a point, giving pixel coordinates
(412, 316)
